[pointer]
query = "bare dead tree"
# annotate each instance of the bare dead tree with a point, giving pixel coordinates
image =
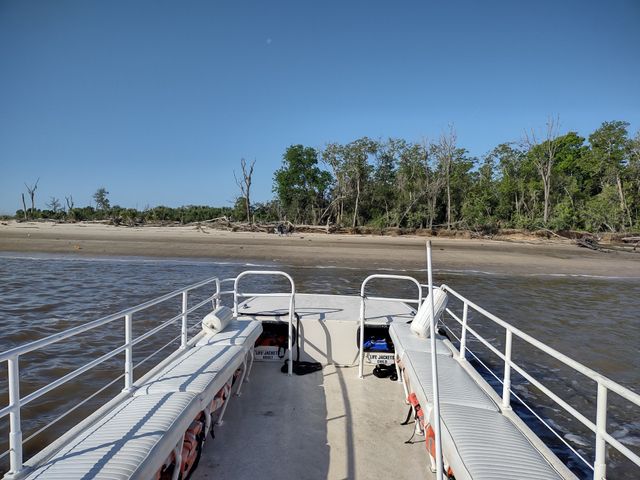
(24, 207)
(544, 156)
(54, 205)
(69, 201)
(32, 194)
(245, 184)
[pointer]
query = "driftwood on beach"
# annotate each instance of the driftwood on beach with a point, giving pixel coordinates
(602, 242)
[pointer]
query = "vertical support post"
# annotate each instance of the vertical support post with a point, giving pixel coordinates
(434, 370)
(506, 381)
(177, 453)
(216, 300)
(15, 429)
(361, 351)
(292, 309)
(184, 334)
(600, 464)
(463, 335)
(235, 298)
(128, 353)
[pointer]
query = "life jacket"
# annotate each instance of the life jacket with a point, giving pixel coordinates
(191, 450)
(376, 345)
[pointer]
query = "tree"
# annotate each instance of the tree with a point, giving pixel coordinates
(417, 180)
(572, 182)
(332, 155)
(510, 181)
(384, 192)
(351, 171)
(544, 156)
(54, 205)
(610, 156)
(70, 207)
(356, 162)
(300, 185)
(245, 184)
(101, 199)
(445, 152)
(481, 200)
(454, 167)
(633, 174)
(24, 207)
(32, 194)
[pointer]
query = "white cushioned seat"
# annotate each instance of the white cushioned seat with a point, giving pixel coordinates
(405, 340)
(455, 385)
(482, 445)
(131, 441)
(243, 333)
(201, 370)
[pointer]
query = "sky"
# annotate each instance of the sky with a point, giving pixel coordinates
(158, 101)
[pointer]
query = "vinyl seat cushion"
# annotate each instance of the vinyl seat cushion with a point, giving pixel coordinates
(130, 441)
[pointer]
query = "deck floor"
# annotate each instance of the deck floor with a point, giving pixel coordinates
(326, 425)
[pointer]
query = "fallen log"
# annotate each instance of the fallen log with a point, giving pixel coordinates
(589, 243)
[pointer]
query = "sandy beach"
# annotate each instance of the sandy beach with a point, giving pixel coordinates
(524, 257)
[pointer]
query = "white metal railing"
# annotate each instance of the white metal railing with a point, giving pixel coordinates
(237, 295)
(363, 297)
(604, 384)
(12, 357)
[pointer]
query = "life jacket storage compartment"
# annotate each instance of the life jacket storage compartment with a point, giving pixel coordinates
(378, 346)
(273, 343)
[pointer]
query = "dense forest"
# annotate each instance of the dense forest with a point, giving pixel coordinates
(547, 180)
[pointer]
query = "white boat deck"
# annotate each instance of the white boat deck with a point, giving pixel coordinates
(328, 323)
(328, 424)
(328, 308)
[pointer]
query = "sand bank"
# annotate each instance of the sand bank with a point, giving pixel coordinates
(316, 249)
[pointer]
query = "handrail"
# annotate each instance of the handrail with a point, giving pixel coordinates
(604, 384)
(12, 357)
(56, 337)
(362, 307)
(237, 295)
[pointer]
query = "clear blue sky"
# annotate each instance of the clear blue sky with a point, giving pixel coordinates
(158, 101)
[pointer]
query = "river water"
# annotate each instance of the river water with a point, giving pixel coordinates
(596, 321)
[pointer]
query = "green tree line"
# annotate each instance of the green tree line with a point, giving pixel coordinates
(553, 181)
(103, 210)
(548, 180)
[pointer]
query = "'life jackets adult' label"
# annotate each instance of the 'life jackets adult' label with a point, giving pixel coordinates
(270, 353)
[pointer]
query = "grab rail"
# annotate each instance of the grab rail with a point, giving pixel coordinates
(12, 356)
(604, 384)
(362, 307)
(237, 295)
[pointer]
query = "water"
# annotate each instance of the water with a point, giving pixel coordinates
(593, 320)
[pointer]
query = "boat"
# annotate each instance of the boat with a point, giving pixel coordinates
(283, 384)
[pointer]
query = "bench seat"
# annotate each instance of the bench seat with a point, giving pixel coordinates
(242, 333)
(455, 385)
(405, 340)
(131, 441)
(480, 444)
(202, 370)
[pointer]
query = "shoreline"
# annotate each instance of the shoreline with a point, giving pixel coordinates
(317, 249)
